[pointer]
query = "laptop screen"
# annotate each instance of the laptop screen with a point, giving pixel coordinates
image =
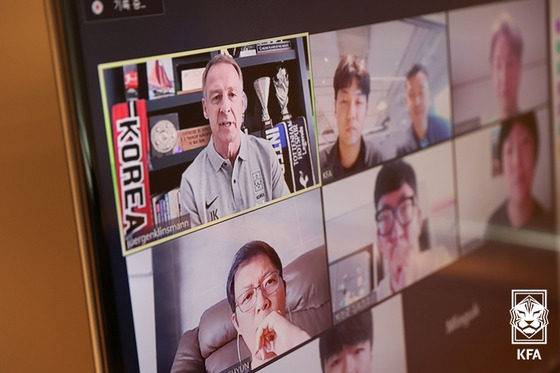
(334, 187)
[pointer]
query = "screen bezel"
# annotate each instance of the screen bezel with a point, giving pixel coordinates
(104, 270)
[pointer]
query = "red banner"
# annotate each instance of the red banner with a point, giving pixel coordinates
(131, 146)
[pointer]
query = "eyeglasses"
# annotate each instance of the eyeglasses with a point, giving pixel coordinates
(404, 213)
(268, 286)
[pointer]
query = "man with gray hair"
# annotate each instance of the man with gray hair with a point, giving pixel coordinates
(235, 171)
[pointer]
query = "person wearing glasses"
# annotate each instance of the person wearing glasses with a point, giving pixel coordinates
(399, 227)
(256, 293)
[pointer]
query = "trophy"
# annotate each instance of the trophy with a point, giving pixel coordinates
(262, 88)
(298, 149)
(164, 134)
(281, 83)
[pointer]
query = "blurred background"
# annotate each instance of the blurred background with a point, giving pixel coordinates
(389, 50)
(43, 314)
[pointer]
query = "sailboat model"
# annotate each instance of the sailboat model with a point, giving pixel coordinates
(158, 81)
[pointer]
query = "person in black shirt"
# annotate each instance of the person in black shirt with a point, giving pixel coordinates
(517, 151)
(350, 153)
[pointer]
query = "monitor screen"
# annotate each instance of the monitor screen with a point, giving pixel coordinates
(334, 187)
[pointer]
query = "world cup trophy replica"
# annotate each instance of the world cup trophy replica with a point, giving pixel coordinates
(282, 85)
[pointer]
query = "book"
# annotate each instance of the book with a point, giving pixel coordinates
(166, 207)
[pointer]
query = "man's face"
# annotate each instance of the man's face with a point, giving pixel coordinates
(350, 108)
(401, 243)
(223, 103)
(352, 359)
(506, 73)
(518, 162)
(418, 99)
(248, 276)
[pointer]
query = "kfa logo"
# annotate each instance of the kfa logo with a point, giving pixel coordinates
(258, 186)
(529, 320)
(258, 182)
(529, 317)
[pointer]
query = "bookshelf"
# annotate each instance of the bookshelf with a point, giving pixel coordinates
(186, 105)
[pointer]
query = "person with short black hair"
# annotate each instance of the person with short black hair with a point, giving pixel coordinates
(399, 227)
(518, 146)
(506, 48)
(234, 171)
(348, 347)
(350, 153)
(256, 293)
(426, 129)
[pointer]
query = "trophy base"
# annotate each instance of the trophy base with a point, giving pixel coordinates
(290, 140)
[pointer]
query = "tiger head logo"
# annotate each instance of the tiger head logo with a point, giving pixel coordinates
(529, 317)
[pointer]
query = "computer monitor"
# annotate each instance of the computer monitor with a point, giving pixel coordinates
(333, 187)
